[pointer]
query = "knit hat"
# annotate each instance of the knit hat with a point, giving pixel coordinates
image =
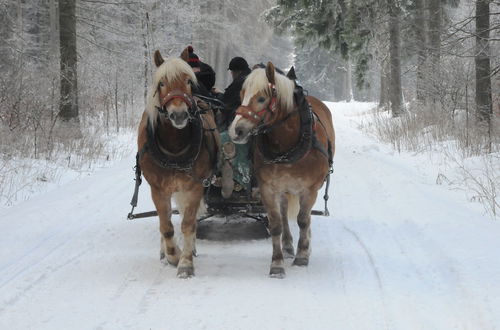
(238, 64)
(193, 60)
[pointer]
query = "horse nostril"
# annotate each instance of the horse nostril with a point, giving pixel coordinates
(172, 116)
(239, 132)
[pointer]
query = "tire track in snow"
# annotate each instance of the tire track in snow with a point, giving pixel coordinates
(443, 273)
(25, 265)
(373, 266)
(32, 284)
(152, 290)
(369, 256)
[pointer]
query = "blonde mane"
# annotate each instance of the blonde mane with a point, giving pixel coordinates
(257, 82)
(172, 70)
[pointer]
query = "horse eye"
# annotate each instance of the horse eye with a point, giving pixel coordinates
(161, 84)
(261, 99)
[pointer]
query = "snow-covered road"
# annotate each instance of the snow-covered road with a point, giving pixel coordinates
(398, 252)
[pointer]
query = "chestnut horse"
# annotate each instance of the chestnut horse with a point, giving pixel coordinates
(177, 154)
(293, 151)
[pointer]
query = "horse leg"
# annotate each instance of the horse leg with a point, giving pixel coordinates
(272, 207)
(286, 238)
(185, 268)
(304, 221)
(168, 248)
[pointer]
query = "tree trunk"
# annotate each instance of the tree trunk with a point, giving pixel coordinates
(116, 102)
(53, 27)
(146, 59)
(421, 50)
(435, 28)
(349, 94)
(482, 61)
(68, 105)
(395, 58)
(384, 84)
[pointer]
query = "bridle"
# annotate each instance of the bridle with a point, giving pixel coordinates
(177, 94)
(259, 118)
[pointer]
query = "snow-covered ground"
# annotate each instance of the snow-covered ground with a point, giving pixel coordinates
(398, 252)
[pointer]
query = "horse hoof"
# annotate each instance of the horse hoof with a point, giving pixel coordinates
(288, 253)
(185, 272)
(162, 255)
(277, 272)
(301, 262)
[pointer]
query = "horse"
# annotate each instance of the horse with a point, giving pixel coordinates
(294, 144)
(178, 147)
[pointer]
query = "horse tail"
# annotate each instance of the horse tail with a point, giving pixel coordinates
(293, 207)
(181, 199)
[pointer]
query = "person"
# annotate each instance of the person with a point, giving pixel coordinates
(204, 72)
(234, 163)
(239, 69)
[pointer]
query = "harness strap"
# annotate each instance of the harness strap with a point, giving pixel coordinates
(256, 116)
(177, 94)
(138, 181)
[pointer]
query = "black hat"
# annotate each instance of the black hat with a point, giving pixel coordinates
(193, 60)
(238, 64)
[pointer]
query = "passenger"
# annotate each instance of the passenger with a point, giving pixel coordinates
(204, 72)
(231, 96)
(233, 156)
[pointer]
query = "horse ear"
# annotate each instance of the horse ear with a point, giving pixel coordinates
(185, 54)
(270, 70)
(291, 74)
(158, 58)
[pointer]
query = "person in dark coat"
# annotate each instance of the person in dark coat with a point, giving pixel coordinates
(231, 97)
(204, 72)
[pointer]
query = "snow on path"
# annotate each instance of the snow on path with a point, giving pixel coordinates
(398, 252)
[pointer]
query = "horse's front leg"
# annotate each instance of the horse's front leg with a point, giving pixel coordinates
(168, 248)
(272, 205)
(286, 237)
(185, 268)
(304, 221)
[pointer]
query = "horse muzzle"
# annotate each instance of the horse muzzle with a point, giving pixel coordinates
(179, 119)
(239, 132)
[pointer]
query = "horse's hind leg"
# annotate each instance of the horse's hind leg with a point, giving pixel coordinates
(272, 207)
(286, 237)
(168, 248)
(304, 221)
(185, 268)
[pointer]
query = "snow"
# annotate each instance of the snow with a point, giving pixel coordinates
(398, 252)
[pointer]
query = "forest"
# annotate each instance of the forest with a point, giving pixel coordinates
(74, 73)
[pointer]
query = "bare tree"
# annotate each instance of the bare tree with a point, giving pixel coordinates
(482, 61)
(395, 57)
(421, 49)
(68, 106)
(434, 35)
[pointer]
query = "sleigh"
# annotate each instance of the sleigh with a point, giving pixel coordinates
(244, 199)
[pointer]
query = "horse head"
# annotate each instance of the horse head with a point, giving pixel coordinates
(267, 96)
(170, 94)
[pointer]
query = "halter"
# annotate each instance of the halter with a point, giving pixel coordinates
(177, 94)
(258, 116)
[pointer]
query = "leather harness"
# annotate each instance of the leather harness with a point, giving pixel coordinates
(307, 140)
